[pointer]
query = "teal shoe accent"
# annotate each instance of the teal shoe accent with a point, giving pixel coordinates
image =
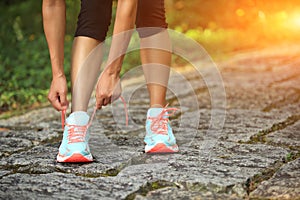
(74, 146)
(159, 135)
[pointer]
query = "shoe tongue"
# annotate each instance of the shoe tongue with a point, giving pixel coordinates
(78, 118)
(153, 112)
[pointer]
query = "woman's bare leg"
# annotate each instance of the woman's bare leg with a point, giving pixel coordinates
(82, 70)
(156, 62)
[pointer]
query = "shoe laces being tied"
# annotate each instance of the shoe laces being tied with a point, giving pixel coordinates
(77, 132)
(159, 123)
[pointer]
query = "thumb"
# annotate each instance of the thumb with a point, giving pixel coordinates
(63, 100)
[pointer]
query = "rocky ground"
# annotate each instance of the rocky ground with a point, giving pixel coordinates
(244, 146)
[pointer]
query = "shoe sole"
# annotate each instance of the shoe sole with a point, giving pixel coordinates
(161, 148)
(75, 158)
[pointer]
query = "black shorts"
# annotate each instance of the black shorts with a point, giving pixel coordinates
(95, 17)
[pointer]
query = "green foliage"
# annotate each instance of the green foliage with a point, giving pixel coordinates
(221, 26)
(25, 70)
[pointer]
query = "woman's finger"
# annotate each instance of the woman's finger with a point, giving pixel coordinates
(106, 101)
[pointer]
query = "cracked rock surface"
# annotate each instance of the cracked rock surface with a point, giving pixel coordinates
(242, 144)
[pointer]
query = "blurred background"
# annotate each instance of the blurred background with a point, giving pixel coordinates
(222, 27)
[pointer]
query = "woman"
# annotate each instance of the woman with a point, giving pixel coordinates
(93, 22)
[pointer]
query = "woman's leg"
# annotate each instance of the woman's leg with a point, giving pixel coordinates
(86, 60)
(155, 48)
(81, 90)
(156, 60)
(92, 26)
(156, 63)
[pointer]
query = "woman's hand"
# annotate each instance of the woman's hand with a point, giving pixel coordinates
(58, 93)
(108, 89)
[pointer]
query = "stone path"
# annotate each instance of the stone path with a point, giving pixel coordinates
(255, 155)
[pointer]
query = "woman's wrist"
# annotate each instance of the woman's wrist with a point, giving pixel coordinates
(113, 72)
(58, 74)
(114, 68)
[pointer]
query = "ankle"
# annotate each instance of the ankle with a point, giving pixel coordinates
(156, 106)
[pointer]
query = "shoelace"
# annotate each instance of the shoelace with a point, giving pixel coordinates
(76, 132)
(159, 123)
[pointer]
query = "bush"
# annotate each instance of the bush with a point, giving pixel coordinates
(25, 70)
(220, 26)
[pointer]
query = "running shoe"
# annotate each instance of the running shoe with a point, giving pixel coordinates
(159, 135)
(74, 146)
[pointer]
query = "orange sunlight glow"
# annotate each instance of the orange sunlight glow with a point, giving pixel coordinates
(254, 23)
(284, 24)
(294, 21)
(240, 12)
